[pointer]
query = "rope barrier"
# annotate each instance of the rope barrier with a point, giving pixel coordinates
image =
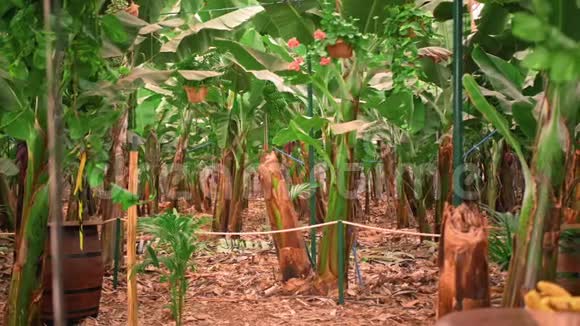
(302, 228)
(391, 230)
(315, 226)
(112, 220)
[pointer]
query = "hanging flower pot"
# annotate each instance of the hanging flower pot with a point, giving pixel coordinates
(340, 49)
(196, 94)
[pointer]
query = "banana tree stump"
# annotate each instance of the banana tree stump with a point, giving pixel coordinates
(463, 266)
(509, 317)
(294, 262)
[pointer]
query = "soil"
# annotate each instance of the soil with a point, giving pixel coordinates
(229, 286)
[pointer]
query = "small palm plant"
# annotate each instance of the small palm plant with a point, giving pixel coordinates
(178, 242)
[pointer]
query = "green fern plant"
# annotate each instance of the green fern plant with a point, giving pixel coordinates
(504, 226)
(178, 243)
(301, 190)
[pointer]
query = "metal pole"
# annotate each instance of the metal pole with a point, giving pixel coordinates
(457, 102)
(54, 131)
(340, 228)
(311, 171)
(117, 252)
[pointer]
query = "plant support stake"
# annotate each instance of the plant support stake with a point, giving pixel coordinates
(340, 227)
(54, 130)
(311, 171)
(132, 237)
(457, 102)
(117, 252)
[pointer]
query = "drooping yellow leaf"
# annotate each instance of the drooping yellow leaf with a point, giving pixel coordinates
(79, 180)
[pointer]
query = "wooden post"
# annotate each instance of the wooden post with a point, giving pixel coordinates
(131, 240)
(463, 267)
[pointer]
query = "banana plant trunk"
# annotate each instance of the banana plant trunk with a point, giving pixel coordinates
(416, 197)
(536, 249)
(290, 246)
(224, 192)
(7, 206)
(375, 186)
(196, 195)
(389, 168)
(339, 208)
(507, 179)
(445, 172)
(492, 185)
(117, 173)
(402, 201)
(367, 194)
(25, 287)
(237, 202)
(176, 174)
(342, 198)
(318, 192)
(153, 158)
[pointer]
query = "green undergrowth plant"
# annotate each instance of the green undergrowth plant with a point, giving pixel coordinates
(569, 241)
(504, 226)
(337, 27)
(177, 245)
(302, 190)
(407, 29)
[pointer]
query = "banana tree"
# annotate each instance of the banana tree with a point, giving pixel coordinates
(24, 118)
(540, 218)
(544, 180)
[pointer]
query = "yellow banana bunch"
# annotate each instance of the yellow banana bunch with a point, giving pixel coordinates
(551, 297)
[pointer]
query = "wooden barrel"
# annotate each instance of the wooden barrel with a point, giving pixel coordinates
(82, 275)
(568, 275)
(568, 271)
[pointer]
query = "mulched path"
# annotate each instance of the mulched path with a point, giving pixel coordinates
(399, 284)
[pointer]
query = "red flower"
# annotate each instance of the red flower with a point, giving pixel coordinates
(319, 35)
(300, 60)
(293, 43)
(295, 65)
(325, 61)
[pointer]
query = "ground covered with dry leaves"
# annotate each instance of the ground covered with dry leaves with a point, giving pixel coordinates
(235, 284)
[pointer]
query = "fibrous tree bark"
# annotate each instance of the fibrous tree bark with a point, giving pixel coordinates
(463, 266)
(153, 158)
(389, 168)
(341, 201)
(25, 285)
(224, 192)
(290, 246)
(535, 256)
(445, 173)
(116, 174)
(416, 194)
(237, 202)
(176, 174)
(492, 182)
(7, 202)
(507, 194)
(318, 192)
